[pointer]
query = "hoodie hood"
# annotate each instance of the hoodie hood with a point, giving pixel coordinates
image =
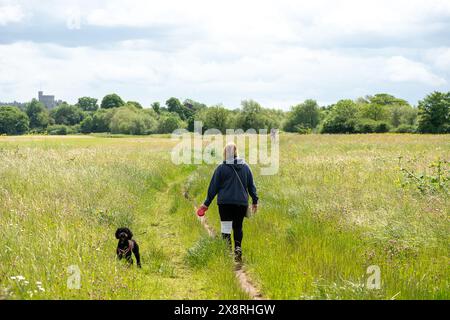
(236, 163)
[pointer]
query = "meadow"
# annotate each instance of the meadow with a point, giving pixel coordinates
(339, 204)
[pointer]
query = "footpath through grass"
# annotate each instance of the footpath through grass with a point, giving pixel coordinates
(63, 198)
(338, 205)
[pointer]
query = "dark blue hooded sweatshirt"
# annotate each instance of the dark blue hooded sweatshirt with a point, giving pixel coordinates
(225, 184)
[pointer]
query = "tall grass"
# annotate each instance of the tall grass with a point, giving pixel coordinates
(337, 206)
(63, 198)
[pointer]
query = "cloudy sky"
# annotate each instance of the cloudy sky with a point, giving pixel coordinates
(277, 52)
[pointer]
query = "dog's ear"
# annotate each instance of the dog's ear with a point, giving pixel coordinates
(118, 231)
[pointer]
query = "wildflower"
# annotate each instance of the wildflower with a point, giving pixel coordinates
(18, 278)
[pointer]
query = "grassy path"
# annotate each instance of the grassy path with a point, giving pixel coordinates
(242, 276)
(167, 250)
(62, 202)
(338, 205)
(173, 233)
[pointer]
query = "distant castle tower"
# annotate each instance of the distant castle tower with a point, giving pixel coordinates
(47, 100)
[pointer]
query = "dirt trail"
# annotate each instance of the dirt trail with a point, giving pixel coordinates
(242, 276)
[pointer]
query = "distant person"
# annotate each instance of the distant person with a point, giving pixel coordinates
(233, 182)
(273, 134)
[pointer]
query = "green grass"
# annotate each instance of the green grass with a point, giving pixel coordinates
(336, 206)
(62, 200)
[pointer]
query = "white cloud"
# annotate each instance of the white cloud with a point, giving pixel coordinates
(280, 20)
(277, 78)
(10, 14)
(404, 70)
(439, 57)
(277, 52)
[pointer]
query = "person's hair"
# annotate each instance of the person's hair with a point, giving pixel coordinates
(230, 151)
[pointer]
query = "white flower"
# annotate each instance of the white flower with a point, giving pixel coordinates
(20, 278)
(38, 283)
(13, 278)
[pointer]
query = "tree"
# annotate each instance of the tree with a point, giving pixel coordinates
(385, 99)
(402, 115)
(365, 125)
(87, 104)
(131, 120)
(304, 115)
(434, 113)
(112, 101)
(58, 129)
(216, 117)
(67, 114)
(193, 105)
(373, 111)
(169, 122)
(13, 120)
(134, 104)
(156, 106)
(251, 116)
(87, 125)
(174, 105)
(101, 120)
(190, 109)
(341, 118)
(38, 115)
(273, 118)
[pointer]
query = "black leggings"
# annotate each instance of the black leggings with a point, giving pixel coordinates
(236, 214)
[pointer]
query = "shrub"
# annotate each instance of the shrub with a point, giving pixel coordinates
(130, 120)
(303, 130)
(74, 129)
(169, 122)
(13, 120)
(87, 125)
(68, 115)
(101, 120)
(435, 180)
(405, 128)
(58, 129)
(382, 127)
(341, 118)
(371, 126)
(365, 126)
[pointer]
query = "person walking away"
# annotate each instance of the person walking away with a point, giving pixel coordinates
(233, 184)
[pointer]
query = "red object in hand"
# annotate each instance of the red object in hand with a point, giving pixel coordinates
(201, 211)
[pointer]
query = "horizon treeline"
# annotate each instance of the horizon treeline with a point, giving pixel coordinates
(371, 114)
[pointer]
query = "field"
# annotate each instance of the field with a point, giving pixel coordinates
(338, 205)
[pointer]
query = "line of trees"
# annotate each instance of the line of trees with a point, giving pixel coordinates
(378, 113)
